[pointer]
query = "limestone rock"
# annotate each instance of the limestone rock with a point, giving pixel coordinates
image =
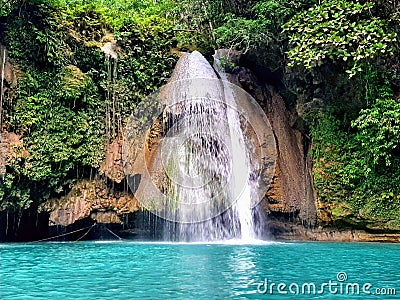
(289, 231)
(110, 48)
(292, 187)
(11, 148)
(90, 199)
(105, 217)
(75, 209)
(112, 167)
(10, 73)
(291, 191)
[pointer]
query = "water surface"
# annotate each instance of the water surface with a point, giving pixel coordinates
(134, 270)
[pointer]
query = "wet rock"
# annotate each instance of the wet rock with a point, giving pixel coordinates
(112, 166)
(106, 217)
(282, 230)
(90, 198)
(75, 209)
(10, 73)
(11, 148)
(292, 188)
(291, 191)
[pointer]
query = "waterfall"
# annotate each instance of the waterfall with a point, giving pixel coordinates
(200, 154)
(240, 158)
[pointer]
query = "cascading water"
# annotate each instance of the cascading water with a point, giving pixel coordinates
(239, 158)
(200, 153)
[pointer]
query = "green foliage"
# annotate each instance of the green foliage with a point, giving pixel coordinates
(355, 164)
(378, 125)
(14, 192)
(147, 60)
(339, 31)
(61, 99)
(6, 6)
(354, 127)
(379, 130)
(345, 176)
(279, 12)
(257, 29)
(66, 86)
(58, 117)
(243, 34)
(37, 34)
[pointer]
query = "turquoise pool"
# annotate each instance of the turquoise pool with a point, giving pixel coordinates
(135, 270)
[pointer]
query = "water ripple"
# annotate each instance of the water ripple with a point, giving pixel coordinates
(128, 270)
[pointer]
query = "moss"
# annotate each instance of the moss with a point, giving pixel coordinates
(360, 193)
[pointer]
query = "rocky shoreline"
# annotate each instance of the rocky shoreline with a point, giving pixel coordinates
(142, 225)
(294, 232)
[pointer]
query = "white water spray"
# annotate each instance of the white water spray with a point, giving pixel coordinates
(240, 160)
(207, 157)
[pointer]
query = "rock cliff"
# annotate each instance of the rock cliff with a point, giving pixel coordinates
(293, 209)
(91, 199)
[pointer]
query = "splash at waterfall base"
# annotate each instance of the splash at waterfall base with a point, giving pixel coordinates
(200, 154)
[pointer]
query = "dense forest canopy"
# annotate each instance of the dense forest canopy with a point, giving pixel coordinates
(338, 61)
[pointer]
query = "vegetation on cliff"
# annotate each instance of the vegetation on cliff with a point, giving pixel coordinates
(71, 100)
(338, 60)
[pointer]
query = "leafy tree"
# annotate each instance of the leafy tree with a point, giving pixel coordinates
(379, 130)
(64, 86)
(338, 31)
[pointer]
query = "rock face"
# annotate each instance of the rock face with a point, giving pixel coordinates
(291, 193)
(10, 143)
(10, 73)
(289, 231)
(291, 202)
(11, 148)
(292, 189)
(112, 166)
(90, 199)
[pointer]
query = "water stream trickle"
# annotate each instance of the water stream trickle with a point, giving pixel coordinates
(113, 119)
(3, 67)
